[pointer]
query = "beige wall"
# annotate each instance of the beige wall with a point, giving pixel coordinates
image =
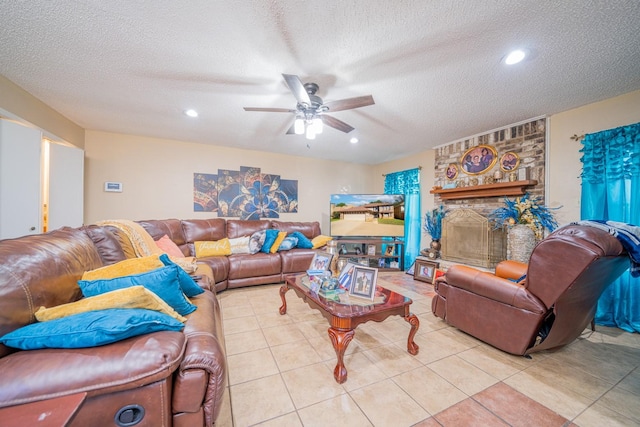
(152, 193)
(426, 159)
(157, 177)
(17, 104)
(564, 166)
(152, 190)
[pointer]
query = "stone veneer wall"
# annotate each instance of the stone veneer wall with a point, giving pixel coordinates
(527, 140)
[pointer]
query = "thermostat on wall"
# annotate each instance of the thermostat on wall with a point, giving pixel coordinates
(114, 187)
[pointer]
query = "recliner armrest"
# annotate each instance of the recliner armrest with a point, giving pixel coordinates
(200, 380)
(510, 269)
(493, 287)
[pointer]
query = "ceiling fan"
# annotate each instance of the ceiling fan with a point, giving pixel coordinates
(311, 111)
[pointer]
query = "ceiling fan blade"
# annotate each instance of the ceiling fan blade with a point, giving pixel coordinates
(349, 103)
(297, 88)
(271, 110)
(336, 124)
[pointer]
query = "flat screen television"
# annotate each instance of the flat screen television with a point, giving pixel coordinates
(367, 215)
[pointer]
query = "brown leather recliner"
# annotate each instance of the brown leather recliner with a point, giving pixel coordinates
(549, 307)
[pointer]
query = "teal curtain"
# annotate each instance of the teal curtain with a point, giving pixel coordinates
(408, 183)
(611, 191)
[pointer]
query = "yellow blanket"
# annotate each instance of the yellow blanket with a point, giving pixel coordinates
(143, 244)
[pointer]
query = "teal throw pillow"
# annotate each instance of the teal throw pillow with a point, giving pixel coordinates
(269, 238)
(288, 243)
(187, 284)
(303, 241)
(90, 329)
(161, 281)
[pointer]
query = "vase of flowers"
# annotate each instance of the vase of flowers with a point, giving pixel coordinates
(433, 227)
(525, 219)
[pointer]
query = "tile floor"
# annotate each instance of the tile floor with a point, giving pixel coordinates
(281, 371)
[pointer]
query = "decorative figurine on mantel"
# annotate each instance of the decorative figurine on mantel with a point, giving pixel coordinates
(433, 226)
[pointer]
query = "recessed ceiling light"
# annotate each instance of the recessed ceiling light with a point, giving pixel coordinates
(514, 57)
(353, 140)
(191, 113)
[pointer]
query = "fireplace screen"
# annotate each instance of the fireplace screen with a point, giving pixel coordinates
(468, 238)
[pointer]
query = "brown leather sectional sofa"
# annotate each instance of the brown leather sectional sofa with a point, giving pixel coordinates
(240, 269)
(173, 378)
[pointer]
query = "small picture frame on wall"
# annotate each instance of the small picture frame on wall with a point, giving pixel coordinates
(425, 270)
(452, 171)
(509, 161)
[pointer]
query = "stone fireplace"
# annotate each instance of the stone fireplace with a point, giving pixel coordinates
(469, 238)
(467, 235)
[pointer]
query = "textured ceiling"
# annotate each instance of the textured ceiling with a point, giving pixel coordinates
(433, 67)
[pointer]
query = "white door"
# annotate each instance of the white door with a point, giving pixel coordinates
(20, 193)
(66, 186)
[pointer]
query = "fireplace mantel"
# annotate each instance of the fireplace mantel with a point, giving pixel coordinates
(509, 188)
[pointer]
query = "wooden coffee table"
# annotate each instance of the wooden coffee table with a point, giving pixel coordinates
(344, 318)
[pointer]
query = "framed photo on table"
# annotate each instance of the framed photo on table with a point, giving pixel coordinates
(424, 270)
(371, 249)
(363, 282)
(346, 275)
(321, 261)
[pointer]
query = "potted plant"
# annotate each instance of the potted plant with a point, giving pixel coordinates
(525, 219)
(433, 227)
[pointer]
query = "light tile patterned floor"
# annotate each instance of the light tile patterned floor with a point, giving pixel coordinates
(281, 371)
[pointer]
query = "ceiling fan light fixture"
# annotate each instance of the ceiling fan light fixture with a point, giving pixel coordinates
(311, 134)
(353, 140)
(317, 125)
(191, 113)
(309, 112)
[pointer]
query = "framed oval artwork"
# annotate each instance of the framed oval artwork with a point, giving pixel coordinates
(509, 161)
(479, 159)
(452, 171)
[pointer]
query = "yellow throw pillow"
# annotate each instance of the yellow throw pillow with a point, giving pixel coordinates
(320, 241)
(212, 247)
(188, 263)
(279, 239)
(124, 268)
(131, 297)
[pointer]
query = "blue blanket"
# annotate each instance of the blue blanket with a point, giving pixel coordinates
(627, 234)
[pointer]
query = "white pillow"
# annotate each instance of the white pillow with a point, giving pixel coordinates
(256, 241)
(240, 245)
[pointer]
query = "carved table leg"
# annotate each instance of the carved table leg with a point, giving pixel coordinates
(412, 347)
(283, 307)
(340, 340)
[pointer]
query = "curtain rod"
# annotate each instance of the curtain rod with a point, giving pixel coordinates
(419, 168)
